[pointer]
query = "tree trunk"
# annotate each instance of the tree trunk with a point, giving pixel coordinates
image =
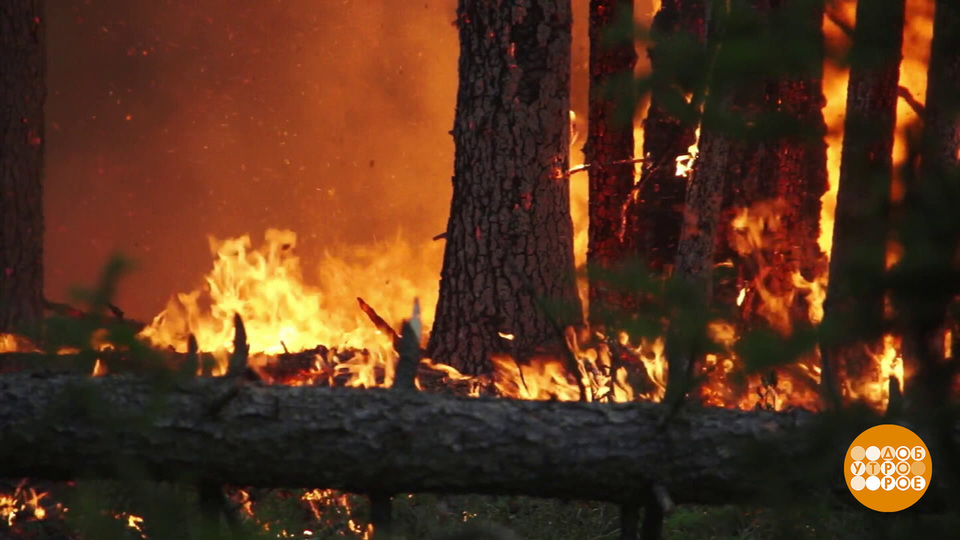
(802, 160)
(762, 155)
(702, 212)
(508, 267)
(609, 148)
(781, 179)
(655, 218)
(855, 300)
(22, 79)
(942, 110)
(941, 143)
(387, 441)
(726, 152)
(930, 236)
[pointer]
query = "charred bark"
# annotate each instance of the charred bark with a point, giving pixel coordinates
(855, 301)
(924, 281)
(382, 441)
(935, 178)
(942, 109)
(701, 218)
(609, 148)
(750, 168)
(655, 217)
(22, 95)
(510, 215)
(771, 212)
(801, 161)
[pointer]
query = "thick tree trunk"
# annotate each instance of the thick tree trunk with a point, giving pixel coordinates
(702, 216)
(801, 164)
(942, 109)
(802, 156)
(931, 238)
(22, 80)
(941, 143)
(387, 442)
(508, 266)
(770, 224)
(609, 148)
(655, 218)
(855, 299)
(734, 166)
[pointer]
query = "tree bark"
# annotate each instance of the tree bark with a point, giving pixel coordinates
(802, 163)
(655, 218)
(930, 237)
(387, 442)
(855, 300)
(22, 80)
(508, 266)
(942, 109)
(780, 174)
(609, 148)
(702, 213)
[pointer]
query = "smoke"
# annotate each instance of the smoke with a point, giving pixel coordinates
(172, 120)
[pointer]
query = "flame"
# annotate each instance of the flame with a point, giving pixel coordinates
(685, 162)
(758, 228)
(282, 311)
(544, 378)
(24, 501)
(99, 369)
(16, 343)
(133, 522)
(888, 363)
(285, 310)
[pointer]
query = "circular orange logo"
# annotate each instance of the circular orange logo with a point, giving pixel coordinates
(888, 468)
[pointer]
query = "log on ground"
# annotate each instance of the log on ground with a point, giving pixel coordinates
(65, 426)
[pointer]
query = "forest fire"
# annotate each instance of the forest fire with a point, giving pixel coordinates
(337, 322)
(284, 313)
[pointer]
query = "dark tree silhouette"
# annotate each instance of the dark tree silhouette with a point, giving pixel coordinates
(655, 217)
(22, 96)
(855, 302)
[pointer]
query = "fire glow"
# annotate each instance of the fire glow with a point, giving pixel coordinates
(286, 312)
(287, 309)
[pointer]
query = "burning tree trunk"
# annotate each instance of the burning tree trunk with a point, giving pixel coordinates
(655, 218)
(702, 213)
(770, 226)
(388, 442)
(751, 169)
(855, 302)
(508, 267)
(609, 148)
(754, 199)
(802, 158)
(22, 78)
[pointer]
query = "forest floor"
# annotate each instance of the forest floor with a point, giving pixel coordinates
(131, 511)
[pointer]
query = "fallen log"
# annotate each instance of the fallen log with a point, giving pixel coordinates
(63, 426)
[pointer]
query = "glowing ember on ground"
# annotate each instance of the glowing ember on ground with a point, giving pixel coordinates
(22, 503)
